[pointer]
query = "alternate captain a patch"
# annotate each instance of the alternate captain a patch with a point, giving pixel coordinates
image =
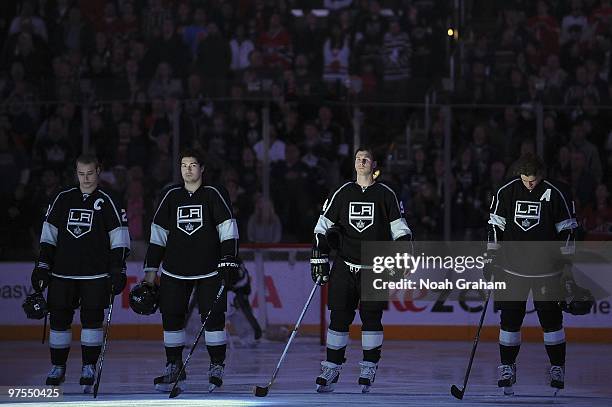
(189, 218)
(527, 214)
(361, 215)
(79, 222)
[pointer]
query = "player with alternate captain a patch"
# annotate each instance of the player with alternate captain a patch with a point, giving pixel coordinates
(83, 247)
(359, 211)
(194, 243)
(540, 212)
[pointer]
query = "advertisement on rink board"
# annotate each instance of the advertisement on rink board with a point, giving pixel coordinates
(286, 287)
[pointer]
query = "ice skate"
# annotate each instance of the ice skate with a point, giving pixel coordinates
(330, 372)
(367, 375)
(507, 377)
(88, 373)
(557, 378)
(215, 376)
(165, 382)
(56, 376)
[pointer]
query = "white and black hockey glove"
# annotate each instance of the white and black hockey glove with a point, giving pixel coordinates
(228, 267)
(319, 266)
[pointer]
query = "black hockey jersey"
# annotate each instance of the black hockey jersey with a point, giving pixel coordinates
(545, 214)
(191, 232)
(364, 214)
(84, 235)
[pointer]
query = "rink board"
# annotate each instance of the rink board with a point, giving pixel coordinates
(287, 286)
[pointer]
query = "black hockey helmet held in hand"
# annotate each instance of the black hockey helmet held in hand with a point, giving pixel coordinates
(578, 301)
(144, 298)
(35, 306)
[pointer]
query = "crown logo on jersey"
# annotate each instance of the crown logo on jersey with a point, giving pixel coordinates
(189, 218)
(79, 222)
(525, 223)
(361, 215)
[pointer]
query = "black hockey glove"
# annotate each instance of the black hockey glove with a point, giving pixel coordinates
(491, 265)
(228, 267)
(577, 300)
(319, 266)
(117, 279)
(40, 278)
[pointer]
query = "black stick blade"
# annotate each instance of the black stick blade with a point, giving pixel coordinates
(458, 394)
(175, 392)
(260, 391)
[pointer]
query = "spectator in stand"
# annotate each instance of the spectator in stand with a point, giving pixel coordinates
(169, 48)
(545, 29)
(575, 19)
(308, 40)
(241, 48)
(153, 18)
(336, 54)
(264, 225)
(213, 60)
(597, 217)
(581, 180)
(397, 54)
(164, 83)
(276, 149)
(276, 44)
(579, 142)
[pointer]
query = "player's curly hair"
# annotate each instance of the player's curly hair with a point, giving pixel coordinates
(530, 165)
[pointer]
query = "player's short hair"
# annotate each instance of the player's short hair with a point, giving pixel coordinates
(192, 152)
(530, 165)
(366, 149)
(86, 158)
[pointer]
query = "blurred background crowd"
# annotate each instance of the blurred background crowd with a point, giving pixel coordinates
(133, 80)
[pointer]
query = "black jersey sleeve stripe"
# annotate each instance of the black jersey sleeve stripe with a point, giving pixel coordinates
(499, 191)
(570, 215)
(399, 209)
(331, 201)
(113, 205)
(55, 200)
(229, 211)
(163, 199)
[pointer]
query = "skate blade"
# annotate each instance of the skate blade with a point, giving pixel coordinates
(166, 388)
(365, 388)
(211, 387)
(324, 389)
(508, 391)
(557, 392)
(87, 388)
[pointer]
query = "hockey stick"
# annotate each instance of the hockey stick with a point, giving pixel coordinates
(262, 391)
(455, 391)
(101, 358)
(44, 329)
(175, 389)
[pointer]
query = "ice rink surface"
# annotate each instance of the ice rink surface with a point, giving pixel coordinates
(410, 373)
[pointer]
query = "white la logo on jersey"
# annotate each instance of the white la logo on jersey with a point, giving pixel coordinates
(79, 222)
(527, 214)
(189, 218)
(361, 215)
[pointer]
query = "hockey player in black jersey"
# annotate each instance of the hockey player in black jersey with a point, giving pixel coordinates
(194, 244)
(83, 247)
(529, 208)
(358, 211)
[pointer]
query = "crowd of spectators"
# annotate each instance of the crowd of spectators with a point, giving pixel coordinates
(124, 78)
